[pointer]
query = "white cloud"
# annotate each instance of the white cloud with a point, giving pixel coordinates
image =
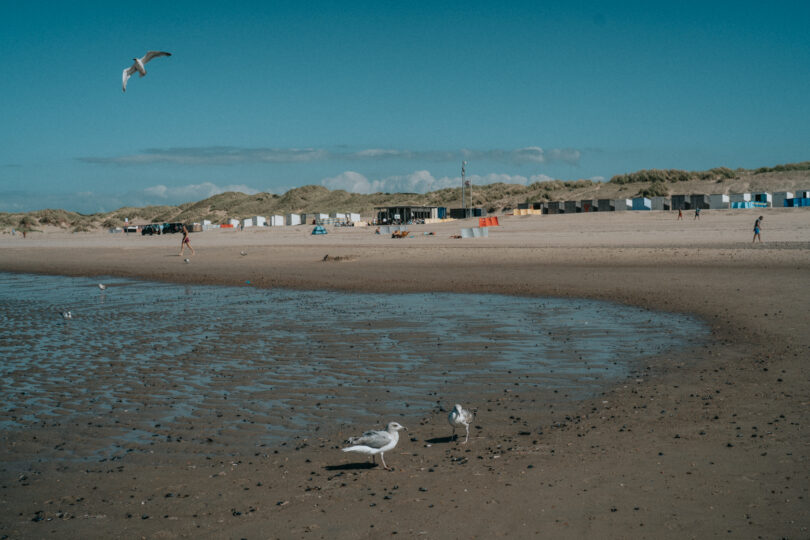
(193, 192)
(419, 182)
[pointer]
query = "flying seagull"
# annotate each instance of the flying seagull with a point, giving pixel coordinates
(138, 66)
(376, 442)
(460, 417)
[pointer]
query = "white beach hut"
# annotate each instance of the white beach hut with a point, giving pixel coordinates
(779, 198)
(259, 221)
(293, 219)
(234, 223)
(621, 205)
(740, 197)
(354, 218)
(247, 222)
(719, 201)
(276, 221)
(660, 203)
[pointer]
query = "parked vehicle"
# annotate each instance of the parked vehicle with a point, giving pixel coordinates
(154, 228)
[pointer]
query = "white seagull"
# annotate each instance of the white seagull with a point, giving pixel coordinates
(138, 66)
(460, 417)
(376, 442)
(67, 315)
(102, 286)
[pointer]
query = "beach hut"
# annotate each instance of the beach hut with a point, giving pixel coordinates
(276, 221)
(661, 203)
(234, 222)
(355, 218)
(803, 194)
(605, 205)
(740, 197)
(247, 222)
(293, 219)
(572, 207)
(555, 207)
(588, 205)
(642, 203)
(338, 215)
(681, 202)
(763, 199)
(621, 205)
(779, 198)
(719, 201)
(699, 200)
(259, 221)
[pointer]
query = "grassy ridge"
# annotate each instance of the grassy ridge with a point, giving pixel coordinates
(493, 197)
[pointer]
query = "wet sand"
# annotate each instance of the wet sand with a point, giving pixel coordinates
(708, 441)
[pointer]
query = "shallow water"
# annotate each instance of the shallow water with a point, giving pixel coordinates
(143, 360)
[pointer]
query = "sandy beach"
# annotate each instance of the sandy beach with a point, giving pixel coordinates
(708, 441)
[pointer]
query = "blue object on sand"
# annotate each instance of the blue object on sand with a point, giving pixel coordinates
(319, 230)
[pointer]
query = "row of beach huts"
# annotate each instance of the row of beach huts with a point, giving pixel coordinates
(335, 218)
(675, 202)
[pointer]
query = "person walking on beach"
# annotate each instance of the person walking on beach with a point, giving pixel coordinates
(697, 213)
(680, 213)
(185, 242)
(757, 227)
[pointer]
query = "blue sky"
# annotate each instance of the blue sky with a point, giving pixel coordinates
(387, 96)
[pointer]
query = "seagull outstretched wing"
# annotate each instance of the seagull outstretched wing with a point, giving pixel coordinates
(153, 54)
(125, 77)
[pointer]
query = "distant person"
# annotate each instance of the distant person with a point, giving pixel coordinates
(680, 213)
(697, 213)
(757, 227)
(186, 241)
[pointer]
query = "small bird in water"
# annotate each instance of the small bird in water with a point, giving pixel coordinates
(376, 442)
(460, 417)
(138, 65)
(243, 253)
(102, 286)
(186, 261)
(67, 315)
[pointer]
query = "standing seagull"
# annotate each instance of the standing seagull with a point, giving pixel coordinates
(102, 286)
(460, 417)
(138, 66)
(376, 442)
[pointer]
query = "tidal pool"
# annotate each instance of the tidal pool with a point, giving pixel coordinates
(143, 360)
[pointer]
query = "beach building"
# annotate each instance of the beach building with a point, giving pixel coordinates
(718, 201)
(234, 223)
(340, 216)
(803, 194)
(661, 203)
(277, 221)
(699, 200)
(293, 219)
(642, 203)
(247, 222)
(259, 221)
(572, 207)
(588, 205)
(555, 207)
(681, 202)
(406, 214)
(740, 197)
(605, 205)
(779, 198)
(763, 199)
(313, 217)
(622, 205)
(354, 218)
